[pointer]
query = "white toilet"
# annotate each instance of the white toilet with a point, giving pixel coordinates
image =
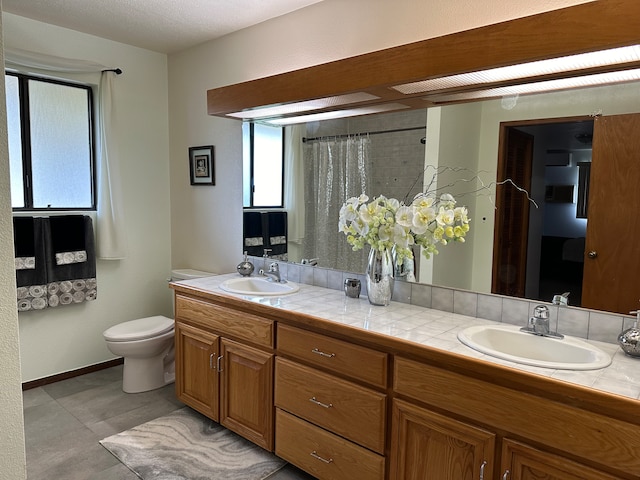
(147, 345)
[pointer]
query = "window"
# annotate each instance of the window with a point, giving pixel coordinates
(50, 144)
(263, 165)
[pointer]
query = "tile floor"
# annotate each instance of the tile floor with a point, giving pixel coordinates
(65, 420)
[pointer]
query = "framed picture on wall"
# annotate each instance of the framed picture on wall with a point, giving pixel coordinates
(201, 165)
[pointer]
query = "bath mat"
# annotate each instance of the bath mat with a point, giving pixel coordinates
(187, 445)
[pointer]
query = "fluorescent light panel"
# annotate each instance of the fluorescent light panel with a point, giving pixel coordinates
(539, 87)
(353, 112)
(308, 105)
(570, 63)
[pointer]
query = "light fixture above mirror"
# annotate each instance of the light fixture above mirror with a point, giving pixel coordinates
(449, 68)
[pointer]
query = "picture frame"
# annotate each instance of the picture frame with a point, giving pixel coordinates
(202, 165)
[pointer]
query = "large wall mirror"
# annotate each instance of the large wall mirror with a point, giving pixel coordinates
(459, 143)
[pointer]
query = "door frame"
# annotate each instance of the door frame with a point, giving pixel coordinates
(500, 222)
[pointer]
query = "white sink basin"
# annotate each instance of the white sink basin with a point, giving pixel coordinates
(509, 343)
(257, 286)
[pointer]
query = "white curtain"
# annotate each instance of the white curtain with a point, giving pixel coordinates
(335, 169)
(111, 239)
(294, 185)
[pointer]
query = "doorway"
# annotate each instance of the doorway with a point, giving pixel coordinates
(539, 249)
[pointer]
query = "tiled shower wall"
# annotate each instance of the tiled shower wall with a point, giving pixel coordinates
(573, 321)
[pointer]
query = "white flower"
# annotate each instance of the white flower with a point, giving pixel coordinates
(360, 227)
(445, 217)
(402, 236)
(385, 223)
(404, 216)
(447, 200)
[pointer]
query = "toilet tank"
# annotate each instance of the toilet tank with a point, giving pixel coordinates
(188, 274)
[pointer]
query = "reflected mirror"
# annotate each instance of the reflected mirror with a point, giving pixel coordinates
(385, 155)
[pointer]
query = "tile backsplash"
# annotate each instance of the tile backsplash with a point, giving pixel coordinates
(573, 321)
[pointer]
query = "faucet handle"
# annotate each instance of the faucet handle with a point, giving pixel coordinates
(266, 252)
(541, 311)
(274, 267)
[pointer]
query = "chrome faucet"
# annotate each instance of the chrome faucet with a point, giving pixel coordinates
(273, 273)
(539, 323)
(562, 299)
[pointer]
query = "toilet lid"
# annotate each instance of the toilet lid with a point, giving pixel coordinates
(139, 329)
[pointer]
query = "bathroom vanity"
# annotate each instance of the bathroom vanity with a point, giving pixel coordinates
(306, 376)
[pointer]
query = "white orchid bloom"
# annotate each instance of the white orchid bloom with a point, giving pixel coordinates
(445, 217)
(404, 216)
(422, 201)
(447, 201)
(360, 227)
(461, 214)
(393, 203)
(385, 233)
(420, 223)
(349, 211)
(402, 237)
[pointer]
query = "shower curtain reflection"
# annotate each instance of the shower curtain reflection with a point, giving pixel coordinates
(335, 169)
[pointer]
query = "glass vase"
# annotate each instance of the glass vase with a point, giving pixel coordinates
(379, 276)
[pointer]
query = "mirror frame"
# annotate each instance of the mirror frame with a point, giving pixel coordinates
(583, 28)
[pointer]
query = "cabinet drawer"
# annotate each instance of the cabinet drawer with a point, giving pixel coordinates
(222, 320)
(322, 454)
(341, 357)
(345, 408)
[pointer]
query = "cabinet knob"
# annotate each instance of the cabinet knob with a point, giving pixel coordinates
(482, 470)
(592, 254)
(506, 475)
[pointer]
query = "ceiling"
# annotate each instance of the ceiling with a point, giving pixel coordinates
(164, 26)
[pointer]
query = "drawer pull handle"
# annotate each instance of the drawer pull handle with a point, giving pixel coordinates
(211, 361)
(506, 475)
(219, 363)
(321, 353)
(314, 454)
(484, 464)
(325, 405)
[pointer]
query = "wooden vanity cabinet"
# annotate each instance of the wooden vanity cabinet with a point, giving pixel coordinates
(374, 409)
(523, 462)
(224, 378)
(330, 426)
(197, 352)
(428, 445)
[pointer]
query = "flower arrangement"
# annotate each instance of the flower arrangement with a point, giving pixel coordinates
(385, 223)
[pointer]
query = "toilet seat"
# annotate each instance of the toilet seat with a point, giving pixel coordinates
(139, 329)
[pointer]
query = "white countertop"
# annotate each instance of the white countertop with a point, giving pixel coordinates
(433, 328)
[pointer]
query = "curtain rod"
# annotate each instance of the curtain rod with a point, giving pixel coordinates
(305, 140)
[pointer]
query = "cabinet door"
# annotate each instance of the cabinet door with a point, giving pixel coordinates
(246, 387)
(428, 445)
(527, 463)
(196, 364)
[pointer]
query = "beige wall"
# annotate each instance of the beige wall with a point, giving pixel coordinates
(66, 338)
